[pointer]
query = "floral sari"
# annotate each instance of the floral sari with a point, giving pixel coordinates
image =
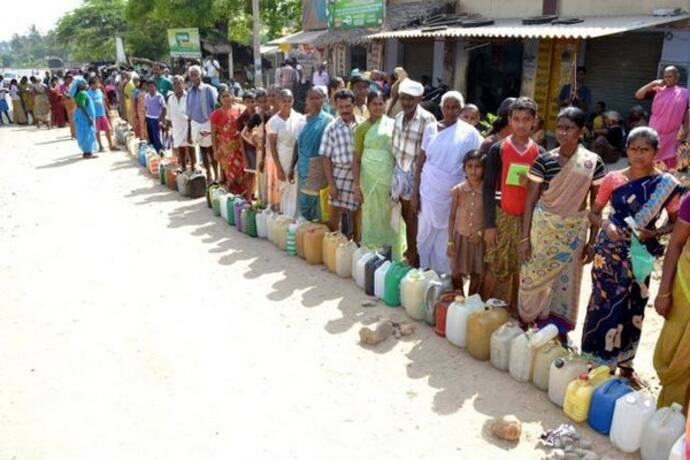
(550, 281)
(616, 308)
(228, 144)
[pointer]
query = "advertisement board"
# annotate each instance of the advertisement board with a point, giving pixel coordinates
(184, 42)
(354, 14)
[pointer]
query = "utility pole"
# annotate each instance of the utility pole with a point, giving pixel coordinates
(258, 80)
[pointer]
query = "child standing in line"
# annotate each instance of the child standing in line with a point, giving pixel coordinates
(465, 236)
(470, 114)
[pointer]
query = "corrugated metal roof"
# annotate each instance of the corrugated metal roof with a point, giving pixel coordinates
(590, 27)
(299, 38)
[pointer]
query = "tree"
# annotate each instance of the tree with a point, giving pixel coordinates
(30, 49)
(90, 29)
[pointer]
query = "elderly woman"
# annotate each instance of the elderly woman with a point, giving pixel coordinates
(372, 171)
(555, 240)
(672, 354)
(669, 112)
(624, 252)
(438, 169)
(283, 128)
(308, 161)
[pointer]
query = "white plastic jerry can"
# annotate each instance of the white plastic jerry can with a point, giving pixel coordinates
(343, 258)
(359, 272)
(543, 359)
(456, 318)
(359, 253)
(561, 373)
(678, 449)
(661, 432)
(521, 357)
(412, 290)
(500, 344)
(630, 416)
(523, 349)
(380, 279)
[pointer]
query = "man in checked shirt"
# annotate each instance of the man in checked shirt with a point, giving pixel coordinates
(406, 145)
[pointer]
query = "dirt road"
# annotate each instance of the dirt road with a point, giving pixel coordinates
(135, 325)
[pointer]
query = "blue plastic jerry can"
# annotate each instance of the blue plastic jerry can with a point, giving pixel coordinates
(604, 402)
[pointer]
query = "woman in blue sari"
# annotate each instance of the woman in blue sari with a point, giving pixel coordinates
(308, 143)
(624, 252)
(84, 118)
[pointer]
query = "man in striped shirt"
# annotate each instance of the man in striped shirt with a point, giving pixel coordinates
(406, 144)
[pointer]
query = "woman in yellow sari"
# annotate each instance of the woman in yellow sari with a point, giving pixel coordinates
(672, 354)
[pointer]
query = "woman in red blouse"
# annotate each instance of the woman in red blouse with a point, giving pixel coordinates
(227, 143)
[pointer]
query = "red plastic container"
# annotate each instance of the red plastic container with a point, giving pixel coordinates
(441, 310)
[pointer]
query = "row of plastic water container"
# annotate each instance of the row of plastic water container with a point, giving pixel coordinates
(484, 329)
(190, 184)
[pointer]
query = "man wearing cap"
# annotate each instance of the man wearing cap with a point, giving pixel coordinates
(406, 145)
(360, 88)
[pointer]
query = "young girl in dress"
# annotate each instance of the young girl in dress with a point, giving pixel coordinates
(465, 238)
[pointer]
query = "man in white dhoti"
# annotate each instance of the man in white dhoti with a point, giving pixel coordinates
(177, 123)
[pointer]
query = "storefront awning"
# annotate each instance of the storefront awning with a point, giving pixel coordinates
(299, 38)
(590, 27)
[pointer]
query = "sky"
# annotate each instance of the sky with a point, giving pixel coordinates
(18, 16)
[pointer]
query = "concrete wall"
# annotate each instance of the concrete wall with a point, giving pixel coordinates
(501, 8)
(521, 8)
(615, 7)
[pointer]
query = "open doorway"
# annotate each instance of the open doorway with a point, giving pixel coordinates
(494, 73)
(358, 58)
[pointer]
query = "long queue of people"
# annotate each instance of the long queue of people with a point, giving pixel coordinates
(516, 221)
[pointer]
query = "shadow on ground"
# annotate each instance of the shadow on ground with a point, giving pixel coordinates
(457, 379)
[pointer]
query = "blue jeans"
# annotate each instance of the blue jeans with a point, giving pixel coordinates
(154, 132)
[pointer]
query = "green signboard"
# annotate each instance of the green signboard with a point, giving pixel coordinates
(184, 42)
(353, 14)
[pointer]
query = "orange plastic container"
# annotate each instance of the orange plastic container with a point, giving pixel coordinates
(313, 245)
(480, 325)
(441, 311)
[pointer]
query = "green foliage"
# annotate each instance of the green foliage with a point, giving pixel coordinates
(486, 124)
(89, 30)
(30, 49)
(280, 17)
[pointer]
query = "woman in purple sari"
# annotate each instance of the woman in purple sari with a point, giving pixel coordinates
(669, 113)
(624, 252)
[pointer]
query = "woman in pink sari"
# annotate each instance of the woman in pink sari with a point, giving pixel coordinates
(669, 113)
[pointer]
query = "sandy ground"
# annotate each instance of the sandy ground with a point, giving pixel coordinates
(135, 325)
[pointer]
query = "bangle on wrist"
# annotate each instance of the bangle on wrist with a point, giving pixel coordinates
(451, 243)
(524, 240)
(663, 296)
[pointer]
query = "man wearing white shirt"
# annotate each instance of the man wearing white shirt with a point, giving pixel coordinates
(177, 121)
(212, 70)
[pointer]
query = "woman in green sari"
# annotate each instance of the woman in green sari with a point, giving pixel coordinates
(372, 171)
